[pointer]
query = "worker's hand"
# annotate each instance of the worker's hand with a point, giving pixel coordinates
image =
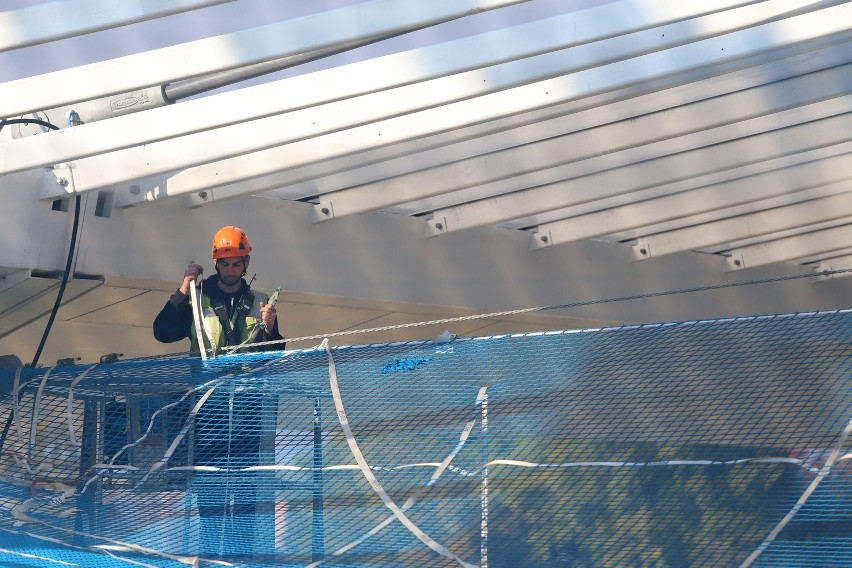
(267, 315)
(192, 272)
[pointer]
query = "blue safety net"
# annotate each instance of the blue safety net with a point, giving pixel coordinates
(700, 443)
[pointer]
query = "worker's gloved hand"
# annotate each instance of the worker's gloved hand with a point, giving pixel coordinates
(192, 272)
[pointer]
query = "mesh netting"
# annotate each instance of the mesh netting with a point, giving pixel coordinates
(704, 443)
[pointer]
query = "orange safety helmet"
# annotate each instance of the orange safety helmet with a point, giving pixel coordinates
(230, 241)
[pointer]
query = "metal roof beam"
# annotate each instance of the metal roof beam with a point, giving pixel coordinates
(753, 191)
(362, 168)
(710, 121)
(301, 92)
(725, 248)
(589, 180)
(304, 124)
(771, 219)
(825, 255)
(813, 191)
(53, 21)
(789, 248)
(120, 167)
(228, 51)
(825, 186)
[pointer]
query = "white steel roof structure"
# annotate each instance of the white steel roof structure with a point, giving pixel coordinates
(412, 159)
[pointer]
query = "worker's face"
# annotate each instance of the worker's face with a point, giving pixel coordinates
(231, 269)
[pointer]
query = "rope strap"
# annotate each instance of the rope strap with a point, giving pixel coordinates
(823, 472)
(371, 478)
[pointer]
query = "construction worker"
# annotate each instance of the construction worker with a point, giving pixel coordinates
(228, 426)
(232, 313)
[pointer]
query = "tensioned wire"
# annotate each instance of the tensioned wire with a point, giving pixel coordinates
(492, 315)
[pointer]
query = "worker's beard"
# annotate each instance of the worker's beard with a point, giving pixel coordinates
(229, 280)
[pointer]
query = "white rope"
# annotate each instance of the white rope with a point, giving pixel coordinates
(111, 464)
(197, 318)
(188, 560)
(179, 438)
(186, 426)
(823, 472)
(655, 463)
(368, 474)
(16, 386)
(70, 409)
(228, 501)
(483, 500)
(35, 557)
(440, 469)
(465, 473)
(37, 410)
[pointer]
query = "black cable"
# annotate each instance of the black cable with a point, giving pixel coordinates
(65, 274)
(62, 285)
(70, 258)
(40, 122)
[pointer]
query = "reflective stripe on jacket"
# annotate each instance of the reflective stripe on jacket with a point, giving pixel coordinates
(212, 326)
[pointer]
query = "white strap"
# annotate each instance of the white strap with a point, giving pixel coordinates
(36, 410)
(824, 471)
(16, 387)
(197, 318)
(439, 470)
(34, 557)
(128, 546)
(368, 474)
(70, 406)
(179, 438)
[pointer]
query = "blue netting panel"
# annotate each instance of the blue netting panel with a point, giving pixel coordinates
(707, 443)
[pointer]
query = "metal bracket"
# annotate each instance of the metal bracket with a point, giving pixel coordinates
(540, 240)
(640, 251)
(437, 226)
(735, 262)
(137, 192)
(323, 211)
(58, 182)
(199, 199)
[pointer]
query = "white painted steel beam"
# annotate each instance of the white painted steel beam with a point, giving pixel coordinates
(606, 176)
(825, 255)
(99, 172)
(826, 184)
(725, 248)
(570, 139)
(52, 21)
(386, 72)
(698, 232)
(722, 197)
(702, 199)
(480, 139)
(789, 248)
(361, 21)
(748, 177)
(244, 138)
(694, 184)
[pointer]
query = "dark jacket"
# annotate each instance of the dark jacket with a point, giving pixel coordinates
(174, 322)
